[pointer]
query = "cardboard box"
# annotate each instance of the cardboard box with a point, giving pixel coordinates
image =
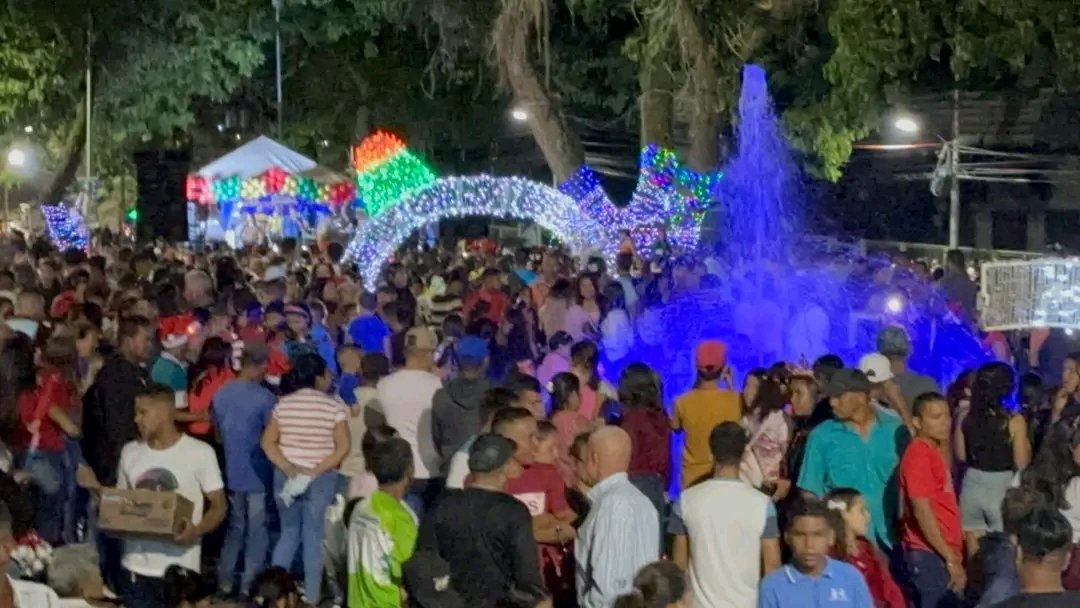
(143, 512)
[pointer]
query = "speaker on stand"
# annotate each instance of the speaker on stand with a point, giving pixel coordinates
(161, 198)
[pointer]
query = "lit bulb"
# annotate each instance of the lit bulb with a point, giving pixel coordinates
(519, 115)
(894, 304)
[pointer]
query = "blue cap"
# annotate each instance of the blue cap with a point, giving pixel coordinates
(471, 350)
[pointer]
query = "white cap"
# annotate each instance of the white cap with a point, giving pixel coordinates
(877, 368)
(274, 273)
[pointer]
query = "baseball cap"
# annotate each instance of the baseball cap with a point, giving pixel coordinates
(893, 341)
(711, 355)
(876, 367)
(490, 452)
(274, 273)
(421, 338)
(847, 380)
(426, 577)
(471, 350)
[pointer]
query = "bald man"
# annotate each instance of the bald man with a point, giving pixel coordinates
(619, 535)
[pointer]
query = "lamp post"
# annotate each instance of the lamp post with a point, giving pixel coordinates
(909, 126)
(15, 160)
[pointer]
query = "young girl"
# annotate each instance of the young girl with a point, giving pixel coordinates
(851, 522)
(565, 392)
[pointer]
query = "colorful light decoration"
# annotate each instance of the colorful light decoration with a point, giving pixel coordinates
(508, 197)
(274, 182)
(66, 226)
(387, 172)
(668, 195)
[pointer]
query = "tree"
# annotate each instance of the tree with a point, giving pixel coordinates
(152, 62)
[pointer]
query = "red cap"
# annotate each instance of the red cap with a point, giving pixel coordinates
(711, 355)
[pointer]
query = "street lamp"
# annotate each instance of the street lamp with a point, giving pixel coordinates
(906, 124)
(519, 115)
(16, 158)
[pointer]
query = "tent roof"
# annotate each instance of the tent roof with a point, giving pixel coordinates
(259, 156)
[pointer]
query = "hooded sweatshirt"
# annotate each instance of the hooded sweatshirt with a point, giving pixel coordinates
(455, 414)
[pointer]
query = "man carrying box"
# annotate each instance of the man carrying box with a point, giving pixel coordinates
(166, 460)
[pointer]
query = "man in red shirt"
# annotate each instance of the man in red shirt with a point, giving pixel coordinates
(933, 536)
(540, 487)
(492, 294)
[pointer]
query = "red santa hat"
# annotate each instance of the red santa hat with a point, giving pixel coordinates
(173, 331)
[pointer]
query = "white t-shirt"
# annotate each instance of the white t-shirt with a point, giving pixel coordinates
(188, 467)
(725, 543)
(405, 398)
(459, 466)
(1072, 495)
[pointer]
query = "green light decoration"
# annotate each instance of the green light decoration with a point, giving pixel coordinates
(133, 214)
(387, 172)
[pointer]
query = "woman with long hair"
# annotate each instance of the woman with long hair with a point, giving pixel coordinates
(554, 312)
(212, 370)
(584, 315)
(1055, 475)
(643, 418)
(993, 441)
(770, 429)
(584, 363)
(306, 439)
(59, 406)
(616, 330)
(513, 342)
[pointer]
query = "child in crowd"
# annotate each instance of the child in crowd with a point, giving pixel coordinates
(565, 389)
(275, 588)
(850, 519)
(557, 360)
(547, 443)
(348, 358)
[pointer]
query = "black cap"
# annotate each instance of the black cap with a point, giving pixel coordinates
(847, 380)
(427, 581)
(490, 452)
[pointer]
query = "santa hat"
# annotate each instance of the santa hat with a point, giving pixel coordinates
(173, 331)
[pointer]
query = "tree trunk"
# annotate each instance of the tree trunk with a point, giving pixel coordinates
(705, 83)
(561, 148)
(657, 101)
(71, 157)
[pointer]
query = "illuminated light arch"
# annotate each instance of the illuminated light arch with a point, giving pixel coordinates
(506, 197)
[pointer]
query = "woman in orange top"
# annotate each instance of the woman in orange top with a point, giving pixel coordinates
(210, 373)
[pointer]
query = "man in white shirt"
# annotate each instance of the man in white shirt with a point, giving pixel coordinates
(165, 459)
(618, 537)
(405, 397)
(20, 594)
(726, 532)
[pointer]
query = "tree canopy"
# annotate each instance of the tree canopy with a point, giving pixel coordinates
(439, 69)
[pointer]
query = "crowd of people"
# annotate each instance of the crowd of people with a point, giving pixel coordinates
(507, 430)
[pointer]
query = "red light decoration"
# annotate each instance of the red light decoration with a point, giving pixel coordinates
(275, 180)
(376, 149)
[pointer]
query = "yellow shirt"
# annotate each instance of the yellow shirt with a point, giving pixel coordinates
(697, 413)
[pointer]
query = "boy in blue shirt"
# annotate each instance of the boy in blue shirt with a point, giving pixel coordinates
(813, 578)
(368, 331)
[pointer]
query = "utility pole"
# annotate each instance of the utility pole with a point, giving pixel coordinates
(277, 51)
(89, 115)
(954, 173)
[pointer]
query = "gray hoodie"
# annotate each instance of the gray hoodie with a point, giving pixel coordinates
(455, 415)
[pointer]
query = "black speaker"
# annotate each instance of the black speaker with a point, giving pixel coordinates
(161, 198)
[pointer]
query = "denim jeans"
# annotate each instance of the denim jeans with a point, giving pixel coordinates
(928, 580)
(247, 534)
(51, 508)
(303, 524)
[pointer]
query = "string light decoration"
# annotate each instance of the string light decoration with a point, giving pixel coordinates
(1030, 294)
(274, 182)
(66, 227)
(387, 172)
(504, 197)
(668, 203)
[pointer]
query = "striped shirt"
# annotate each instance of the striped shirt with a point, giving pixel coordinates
(618, 537)
(307, 419)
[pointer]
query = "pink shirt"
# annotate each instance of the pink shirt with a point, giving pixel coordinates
(307, 419)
